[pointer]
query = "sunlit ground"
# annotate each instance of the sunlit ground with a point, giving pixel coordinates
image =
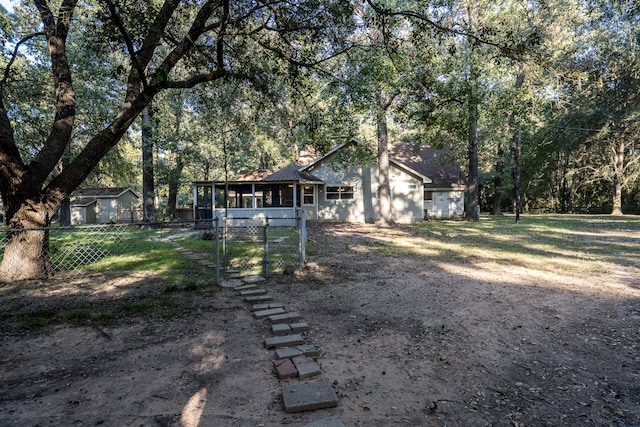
(547, 251)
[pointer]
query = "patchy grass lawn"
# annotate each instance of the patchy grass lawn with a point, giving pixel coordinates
(581, 244)
(439, 323)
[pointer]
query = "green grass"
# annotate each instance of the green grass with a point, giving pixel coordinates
(573, 242)
(161, 280)
(104, 314)
(79, 316)
(573, 245)
(246, 252)
(136, 250)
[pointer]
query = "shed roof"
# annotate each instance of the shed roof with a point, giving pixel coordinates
(83, 201)
(438, 164)
(103, 192)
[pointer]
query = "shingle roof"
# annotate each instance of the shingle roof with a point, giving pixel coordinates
(291, 173)
(439, 165)
(102, 192)
(83, 201)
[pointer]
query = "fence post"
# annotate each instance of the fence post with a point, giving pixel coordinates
(302, 237)
(266, 248)
(217, 248)
(224, 243)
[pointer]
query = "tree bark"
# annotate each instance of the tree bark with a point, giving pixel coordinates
(26, 252)
(518, 148)
(473, 208)
(497, 181)
(174, 186)
(384, 189)
(148, 175)
(618, 176)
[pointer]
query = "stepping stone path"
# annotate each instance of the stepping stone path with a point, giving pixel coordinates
(308, 396)
(293, 357)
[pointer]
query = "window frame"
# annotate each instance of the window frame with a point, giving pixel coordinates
(341, 191)
(304, 194)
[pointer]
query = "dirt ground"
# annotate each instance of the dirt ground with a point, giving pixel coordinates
(404, 341)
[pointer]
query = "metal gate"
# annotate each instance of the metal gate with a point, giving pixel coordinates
(263, 246)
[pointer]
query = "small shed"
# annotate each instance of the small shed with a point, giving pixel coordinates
(105, 206)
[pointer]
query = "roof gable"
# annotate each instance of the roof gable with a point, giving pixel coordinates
(104, 192)
(438, 164)
(329, 153)
(292, 172)
(436, 167)
(83, 201)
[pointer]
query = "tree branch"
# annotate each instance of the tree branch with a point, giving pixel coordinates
(192, 81)
(149, 45)
(14, 55)
(56, 31)
(115, 17)
(197, 28)
(381, 10)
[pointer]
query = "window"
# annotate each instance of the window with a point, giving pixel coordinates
(308, 194)
(340, 193)
(428, 195)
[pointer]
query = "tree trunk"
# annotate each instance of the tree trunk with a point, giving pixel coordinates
(518, 148)
(174, 186)
(64, 214)
(497, 181)
(564, 186)
(618, 178)
(26, 252)
(148, 175)
(517, 172)
(473, 208)
(384, 189)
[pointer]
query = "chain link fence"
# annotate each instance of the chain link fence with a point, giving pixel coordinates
(264, 246)
(229, 245)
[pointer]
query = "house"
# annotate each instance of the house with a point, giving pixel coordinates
(105, 206)
(425, 183)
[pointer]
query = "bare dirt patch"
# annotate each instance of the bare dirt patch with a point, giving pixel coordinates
(404, 340)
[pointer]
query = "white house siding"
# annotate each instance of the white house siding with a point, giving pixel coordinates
(311, 212)
(126, 205)
(406, 197)
(352, 210)
(406, 193)
(107, 211)
(445, 204)
(112, 210)
(85, 214)
(78, 215)
(457, 202)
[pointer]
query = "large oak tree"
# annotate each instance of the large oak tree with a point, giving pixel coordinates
(206, 40)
